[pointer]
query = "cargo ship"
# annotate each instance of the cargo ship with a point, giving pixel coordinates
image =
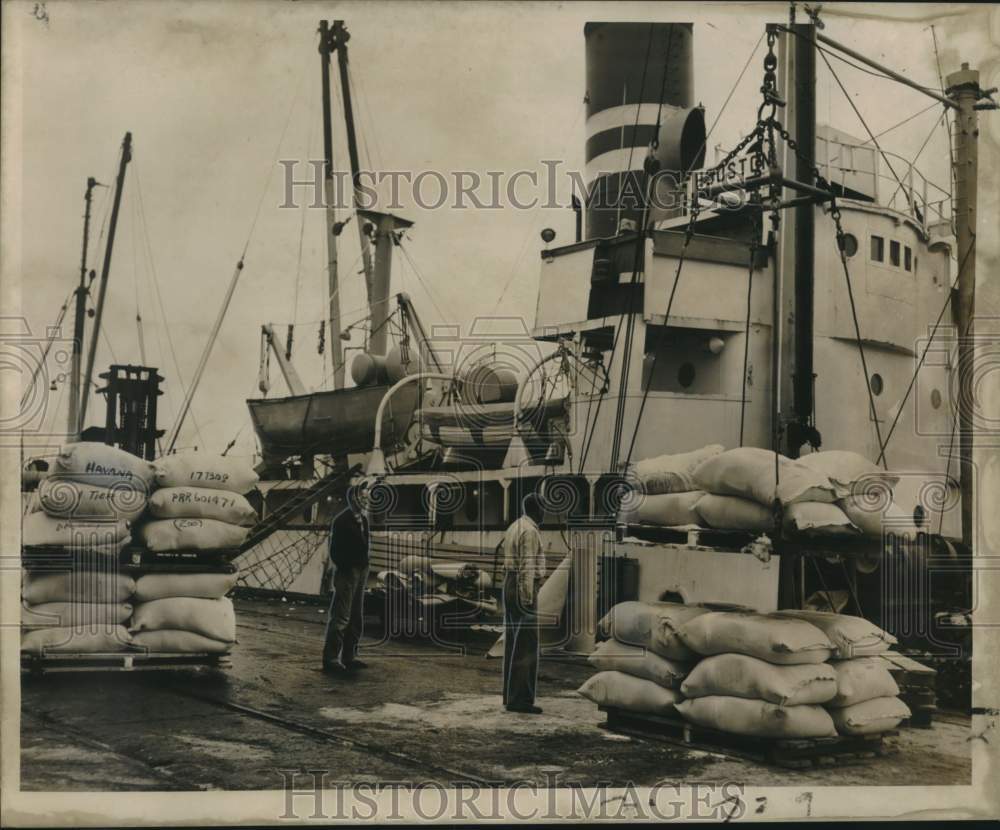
(787, 296)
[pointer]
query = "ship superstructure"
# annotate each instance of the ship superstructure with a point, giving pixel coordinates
(796, 293)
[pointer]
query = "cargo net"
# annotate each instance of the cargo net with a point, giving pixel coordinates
(277, 561)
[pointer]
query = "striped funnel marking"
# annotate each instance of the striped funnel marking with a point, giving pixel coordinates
(622, 109)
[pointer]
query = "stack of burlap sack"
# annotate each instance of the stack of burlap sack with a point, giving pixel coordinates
(89, 500)
(761, 675)
(867, 699)
(97, 500)
(73, 597)
(198, 505)
(832, 493)
(643, 662)
(78, 612)
(183, 613)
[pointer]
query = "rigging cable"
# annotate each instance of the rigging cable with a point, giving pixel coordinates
(930, 135)
(823, 184)
(639, 250)
(361, 94)
(234, 279)
(276, 155)
(310, 137)
(159, 295)
(135, 285)
(888, 130)
(420, 279)
(360, 130)
(527, 237)
(842, 59)
(689, 234)
(725, 103)
(944, 115)
(54, 330)
(841, 248)
(161, 352)
(754, 239)
(864, 123)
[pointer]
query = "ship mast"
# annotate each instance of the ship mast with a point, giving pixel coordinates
(796, 270)
(336, 38)
(963, 87)
(332, 229)
(103, 290)
(79, 318)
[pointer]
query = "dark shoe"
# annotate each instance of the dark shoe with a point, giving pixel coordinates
(526, 710)
(356, 664)
(336, 668)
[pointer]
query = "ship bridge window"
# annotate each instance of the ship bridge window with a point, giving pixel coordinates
(894, 253)
(907, 258)
(878, 249)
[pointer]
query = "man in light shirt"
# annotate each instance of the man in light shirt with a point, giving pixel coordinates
(524, 572)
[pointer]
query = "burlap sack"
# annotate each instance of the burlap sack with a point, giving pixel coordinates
(775, 639)
(623, 691)
(758, 718)
(638, 662)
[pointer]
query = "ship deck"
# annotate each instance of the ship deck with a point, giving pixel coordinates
(418, 712)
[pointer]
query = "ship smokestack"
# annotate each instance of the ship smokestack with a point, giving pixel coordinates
(623, 101)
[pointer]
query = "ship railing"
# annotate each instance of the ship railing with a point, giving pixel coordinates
(890, 180)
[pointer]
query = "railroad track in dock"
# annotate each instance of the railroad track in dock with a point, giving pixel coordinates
(330, 736)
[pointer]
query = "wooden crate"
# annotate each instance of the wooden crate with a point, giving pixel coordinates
(784, 752)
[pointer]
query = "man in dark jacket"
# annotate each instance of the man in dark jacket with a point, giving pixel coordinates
(349, 543)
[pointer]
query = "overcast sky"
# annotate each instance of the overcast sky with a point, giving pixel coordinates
(215, 92)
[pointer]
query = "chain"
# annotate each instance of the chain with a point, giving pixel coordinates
(769, 88)
(763, 131)
(822, 184)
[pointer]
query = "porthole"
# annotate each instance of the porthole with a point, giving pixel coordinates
(876, 384)
(936, 398)
(850, 244)
(685, 375)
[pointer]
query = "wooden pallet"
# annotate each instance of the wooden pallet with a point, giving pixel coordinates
(699, 537)
(783, 752)
(120, 661)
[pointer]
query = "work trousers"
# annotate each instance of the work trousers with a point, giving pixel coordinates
(345, 622)
(520, 648)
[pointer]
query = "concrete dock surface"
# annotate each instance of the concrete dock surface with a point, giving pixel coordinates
(419, 712)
